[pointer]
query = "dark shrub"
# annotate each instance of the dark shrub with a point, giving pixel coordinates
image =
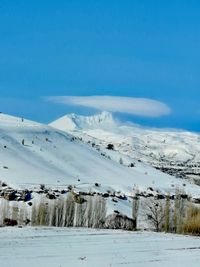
(9, 222)
(110, 146)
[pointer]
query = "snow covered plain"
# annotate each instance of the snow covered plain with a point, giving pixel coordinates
(74, 247)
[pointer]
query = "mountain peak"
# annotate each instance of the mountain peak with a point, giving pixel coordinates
(73, 121)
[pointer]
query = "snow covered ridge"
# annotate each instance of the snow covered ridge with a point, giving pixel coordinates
(75, 122)
(33, 154)
(172, 151)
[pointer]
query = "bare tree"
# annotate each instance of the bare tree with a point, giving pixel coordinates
(155, 213)
(135, 206)
(167, 212)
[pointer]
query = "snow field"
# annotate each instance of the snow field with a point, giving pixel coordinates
(76, 247)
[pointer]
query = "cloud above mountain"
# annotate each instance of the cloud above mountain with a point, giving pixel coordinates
(136, 106)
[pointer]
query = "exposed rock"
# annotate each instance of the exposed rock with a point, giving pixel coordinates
(63, 192)
(50, 195)
(10, 195)
(196, 200)
(122, 197)
(114, 199)
(160, 196)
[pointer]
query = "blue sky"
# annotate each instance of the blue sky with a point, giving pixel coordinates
(144, 49)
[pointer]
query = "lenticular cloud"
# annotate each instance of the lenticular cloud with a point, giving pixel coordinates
(130, 105)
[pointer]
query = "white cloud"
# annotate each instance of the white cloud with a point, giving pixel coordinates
(130, 105)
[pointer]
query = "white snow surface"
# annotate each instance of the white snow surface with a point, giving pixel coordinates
(74, 122)
(101, 248)
(130, 139)
(52, 157)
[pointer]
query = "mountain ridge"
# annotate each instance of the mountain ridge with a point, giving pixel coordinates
(73, 121)
(32, 153)
(43, 169)
(173, 151)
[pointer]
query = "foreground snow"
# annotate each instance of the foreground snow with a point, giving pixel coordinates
(61, 247)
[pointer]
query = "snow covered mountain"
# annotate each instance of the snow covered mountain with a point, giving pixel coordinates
(33, 153)
(172, 151)
(77, 122)
(53, 178)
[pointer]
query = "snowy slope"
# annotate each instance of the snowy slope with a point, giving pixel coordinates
(32, 154)
(176, 152)
(56, 158)
(51, 157)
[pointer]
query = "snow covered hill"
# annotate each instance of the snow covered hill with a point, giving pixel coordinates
(33, 153)
(172, 151)
(53, 178)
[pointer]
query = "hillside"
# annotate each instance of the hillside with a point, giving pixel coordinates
(53, 178)
(56, 158)
(32, 153)
(172, 151)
